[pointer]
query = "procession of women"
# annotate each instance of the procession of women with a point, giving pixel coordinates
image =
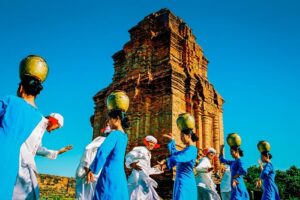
(100, 174)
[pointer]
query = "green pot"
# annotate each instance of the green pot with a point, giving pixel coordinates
(117, 100)
(34, 66)
(263, 146)
(233, 139)
(185, 121)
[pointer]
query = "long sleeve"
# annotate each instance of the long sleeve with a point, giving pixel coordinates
(91, 151)
(241, 171)
(266, 171)
(180, 156)
(172, 147)
(85, 162)
(80, 172)
(203, 165)
(132, 156)
(223, 160)
(89, 155)
(225, 185)
(103, 152)
(18, 119)
(43, 151)
(3, 105)
(155, 170)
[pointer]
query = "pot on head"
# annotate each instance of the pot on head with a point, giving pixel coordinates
(233, 139)
(263, 146)
(185, 121)
(34, 66)
(117, 100)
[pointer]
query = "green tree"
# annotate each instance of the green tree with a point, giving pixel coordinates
(251, 177)
(288, 182)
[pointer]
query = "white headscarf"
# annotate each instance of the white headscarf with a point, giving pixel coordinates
(150, 138)
(59, 118)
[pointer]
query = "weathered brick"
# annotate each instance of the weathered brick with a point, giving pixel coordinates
(164, 72)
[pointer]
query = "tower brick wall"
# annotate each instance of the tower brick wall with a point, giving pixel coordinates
(164, 72)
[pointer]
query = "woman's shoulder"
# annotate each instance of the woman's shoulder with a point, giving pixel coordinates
(269, 165)
(19, 103)
(118, 133)
(192, 149)
(239, 162)
(11, 99)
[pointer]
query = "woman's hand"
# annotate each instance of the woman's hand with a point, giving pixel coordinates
(135, 166)
(234, 183)
(261, 166)
(180, 146)
(162, 165)
(258, 183)
(157, 167)
(210, 169)
(169, 136)
(65, 149)
(222, 149)
(90, 177)
(162, 162)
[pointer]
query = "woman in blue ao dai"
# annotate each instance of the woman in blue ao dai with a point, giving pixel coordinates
(112, 183)
(184, 160)
(19, 116)
(267, 175)
(238, 188)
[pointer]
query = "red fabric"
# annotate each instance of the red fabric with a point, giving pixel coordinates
(146, 142)
(156, 146)
(53, 120)
(102, 130)
(215, 158)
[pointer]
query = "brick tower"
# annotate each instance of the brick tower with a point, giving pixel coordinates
(164, 72)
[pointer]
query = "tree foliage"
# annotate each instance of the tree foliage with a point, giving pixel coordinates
(288, 181)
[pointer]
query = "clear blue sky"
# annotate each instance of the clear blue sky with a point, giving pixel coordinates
(252, 46)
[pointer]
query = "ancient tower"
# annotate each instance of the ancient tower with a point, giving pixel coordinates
(164, 72)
